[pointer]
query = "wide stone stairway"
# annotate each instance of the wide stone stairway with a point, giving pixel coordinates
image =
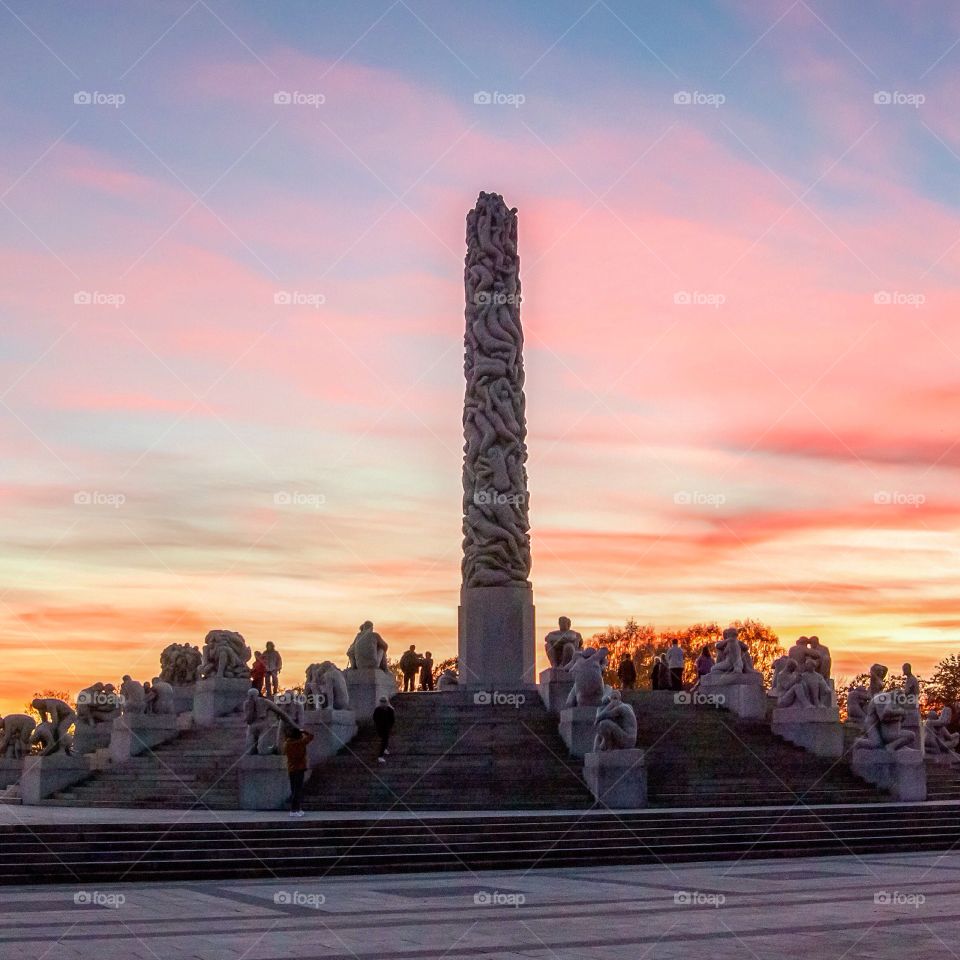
(448, 753)
(197, 770)
(701, 756)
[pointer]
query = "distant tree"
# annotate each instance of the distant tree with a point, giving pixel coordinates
(943, 687)
(633, 640)
(394, 667)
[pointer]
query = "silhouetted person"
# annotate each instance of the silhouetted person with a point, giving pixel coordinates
(627, 672)
(674, 656)
(383, 721)
(426, 671)
(704, 663)
(409, 665)
(295, 743)
(258, 672)
(274, 664)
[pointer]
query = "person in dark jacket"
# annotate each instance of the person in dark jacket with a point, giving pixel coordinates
(409, 664)
(383, 721)
(627, 672)
(658, 676)
(426, 671)
(295, 743)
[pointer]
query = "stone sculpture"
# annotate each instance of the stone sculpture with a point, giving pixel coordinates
(822, 656)
(160, 699)
(562, 644)
(368, 650)
(859, 697)
(180, 664)
(939, 743)
(781, 671)
(16, 731)
(98, 703)
(133, 696)
(290, 705)
(326, 686)
(733, 656)
(802, 686)
(56, 718)
(911, 687)
(496, 539)
(616, 724)
(448, 680)
(882, 720)
(225, 654)
(265, 723)
(587, 668)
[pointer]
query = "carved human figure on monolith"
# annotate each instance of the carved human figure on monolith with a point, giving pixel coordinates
(16, 730)
(368, 650)
(616, 724)
(882, 724)
(562, 644)
(225, 654)
(587, 669)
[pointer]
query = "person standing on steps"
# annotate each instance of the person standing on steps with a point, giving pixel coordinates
(273, 664)
(258, 672)
(409, 664)
(383, 721)
(426, 671)
(704, 663)
(627, 672)
(295, 743)
(675, 663)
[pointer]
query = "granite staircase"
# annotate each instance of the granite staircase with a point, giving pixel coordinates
(81, 854)
(197, 770)
(448, 753)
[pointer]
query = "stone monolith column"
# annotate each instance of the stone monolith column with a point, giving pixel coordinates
(496, 616)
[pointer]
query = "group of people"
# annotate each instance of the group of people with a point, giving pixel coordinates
(413, 666)
(265, 670)
(667, 670)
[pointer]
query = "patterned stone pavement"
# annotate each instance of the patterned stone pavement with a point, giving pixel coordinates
(827, 908)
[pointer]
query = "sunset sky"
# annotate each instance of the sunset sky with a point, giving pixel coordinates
(741, 318)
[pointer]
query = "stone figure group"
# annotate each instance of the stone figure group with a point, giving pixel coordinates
(938, 742)
(180, 664)
(802, 686)
(266, 721)
(16, 735)
(52, 732)
(225, 654)
(562, 644)
(733, 655)
(98, 703)
(326, 687)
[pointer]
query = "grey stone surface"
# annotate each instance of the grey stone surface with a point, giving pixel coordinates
(332, 730)
(366, 687)
(900, 772)
(577, 729)
(132, 735)
(216, 697)
(617, 778)
(264, 783)
(45, 775)
(496, 645)
(740, 693)
(555, 686)
(816, 729)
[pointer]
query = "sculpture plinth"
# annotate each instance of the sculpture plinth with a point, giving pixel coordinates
(496, 616)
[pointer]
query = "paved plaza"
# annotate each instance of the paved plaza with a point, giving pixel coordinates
(825, 908)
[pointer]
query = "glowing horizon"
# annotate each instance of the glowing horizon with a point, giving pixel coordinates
(231, 383)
